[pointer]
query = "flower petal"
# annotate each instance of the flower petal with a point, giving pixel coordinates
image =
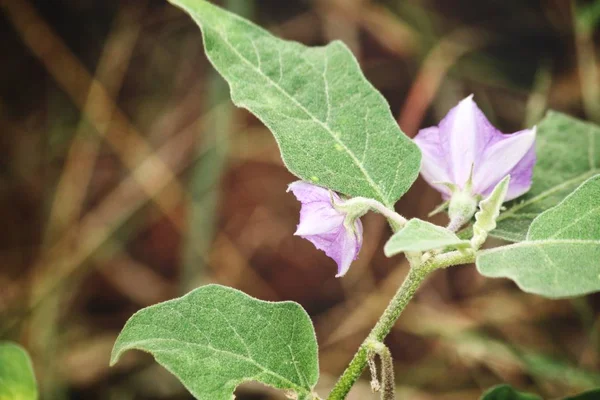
(350, 245)
(501, 158)
(521, 176)
(434, 163)
(342, 246)
(467, 132)
(307, 193)
(324, 226)
(465, 142)
(318, 217)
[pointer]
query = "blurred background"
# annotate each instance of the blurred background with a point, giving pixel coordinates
(128, 178)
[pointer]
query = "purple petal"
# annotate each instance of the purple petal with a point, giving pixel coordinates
(306, 192)
(464, 141)
(502, 158)
(466, 132)
(520, 176)
(319, 217)
(434, 163)
(342, 245)
(323, 225)
(350, 246)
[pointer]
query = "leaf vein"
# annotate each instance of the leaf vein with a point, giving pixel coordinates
(326, 127)
(546, 193)
(574, 222)
(140, 343)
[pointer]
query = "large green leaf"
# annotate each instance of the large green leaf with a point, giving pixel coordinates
(215, 338)
(561, 256)
(568, 153)
(577, 217)
(420, 235)
(333, 128)
(507, 392)
(17, 381)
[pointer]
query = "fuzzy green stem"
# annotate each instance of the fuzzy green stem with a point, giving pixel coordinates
(413, 280)
(394, 218)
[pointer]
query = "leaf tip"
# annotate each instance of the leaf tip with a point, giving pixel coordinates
(115, 355)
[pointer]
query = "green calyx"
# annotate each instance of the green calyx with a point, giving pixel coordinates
(462, 206)
(353, 211)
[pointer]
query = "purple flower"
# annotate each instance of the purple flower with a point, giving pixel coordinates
(329, 228)
(465, 141)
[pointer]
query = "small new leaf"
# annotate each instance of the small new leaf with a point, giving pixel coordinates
(420, 235)
(17, 381)
(332, 126)
(215, 338)
(489, 210)
(561, 253)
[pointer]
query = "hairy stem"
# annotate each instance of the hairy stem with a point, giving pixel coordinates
(411, 283)
(413, 280)
(395, 219)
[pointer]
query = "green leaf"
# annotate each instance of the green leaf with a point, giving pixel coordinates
(215, 338)
(561, 256)
(332, 126)
(489, 210)
(568, 153)
(419, 235)
(577, 217)
(589, 395)
(17, 381)
(506, 392)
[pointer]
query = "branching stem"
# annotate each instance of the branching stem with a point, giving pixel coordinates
(414, 279)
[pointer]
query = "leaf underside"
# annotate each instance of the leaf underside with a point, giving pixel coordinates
(561, 256)
(332, 126)
(215, 338)
(568, 153)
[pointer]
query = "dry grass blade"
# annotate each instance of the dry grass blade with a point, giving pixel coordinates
(433, 71)
(76, 81)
